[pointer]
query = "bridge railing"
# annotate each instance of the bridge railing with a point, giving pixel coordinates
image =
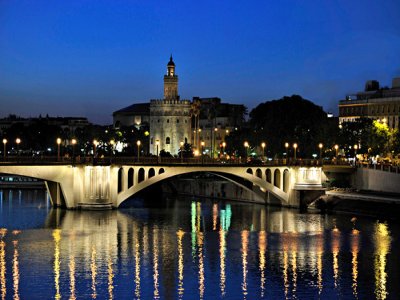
(380, 166)
(154, 160)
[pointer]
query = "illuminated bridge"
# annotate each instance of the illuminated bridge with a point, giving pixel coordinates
(90, 186)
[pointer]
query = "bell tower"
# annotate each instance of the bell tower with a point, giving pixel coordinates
(171, 82)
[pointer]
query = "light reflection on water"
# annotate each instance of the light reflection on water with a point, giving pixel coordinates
(191, 249)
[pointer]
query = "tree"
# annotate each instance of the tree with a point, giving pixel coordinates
(289, 119)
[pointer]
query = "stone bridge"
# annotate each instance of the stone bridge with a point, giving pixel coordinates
(101, 187)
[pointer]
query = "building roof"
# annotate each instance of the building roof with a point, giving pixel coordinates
(138, 108)
(171, 62)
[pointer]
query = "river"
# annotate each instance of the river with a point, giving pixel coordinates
(190, 248)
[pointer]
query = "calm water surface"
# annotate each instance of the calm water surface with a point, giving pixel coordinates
(192, 249)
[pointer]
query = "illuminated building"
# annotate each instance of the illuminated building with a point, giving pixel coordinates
(374, 102)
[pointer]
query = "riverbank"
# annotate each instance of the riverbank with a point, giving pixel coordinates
(360, 202)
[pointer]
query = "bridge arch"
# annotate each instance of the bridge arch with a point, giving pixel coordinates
(286, 180)
(141, 175)
(268, 175)
(130, 177)
(259, 173)
(120, 179)
(239, 175)
(152, 172)
(277, 178)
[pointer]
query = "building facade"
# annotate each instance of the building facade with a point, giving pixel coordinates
(203, 122)
(377, 103)
(170, 118)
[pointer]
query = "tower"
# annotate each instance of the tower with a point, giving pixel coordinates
(170, 118)
(171, 82)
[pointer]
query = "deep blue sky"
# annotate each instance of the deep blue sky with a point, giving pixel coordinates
(90, 58)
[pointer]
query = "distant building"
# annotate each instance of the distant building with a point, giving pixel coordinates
(173, 121)
(215, 120)
(65, 123)
(137, 115)
(374, 102)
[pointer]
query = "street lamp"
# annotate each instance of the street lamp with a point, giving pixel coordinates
(18, 141)
(320, 146)
(181, 144)
(112, 143)
(4, 148)
(295, 150)
(95, 143)
(73, 142)
(138, 150)
(263, 149)
(355, 153)
(287, 149)
(202, 151)
(336, 150)
(246, 146)
(58, 148)
(215, 137)
(157, 144)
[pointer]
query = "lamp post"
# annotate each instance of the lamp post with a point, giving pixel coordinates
(95, 143)
(320, 146)
(4, 148)
(112, 143)
(73, 142)
(355, 153)
(246, 146)
(287, 149)
(202, 151)
(263, 149)
(215, 136)
(157, 144)
(138, 149)
(181, 147)
(336, 150)
(18, 141)
(223, 148)
(58, 148)
(295, 150)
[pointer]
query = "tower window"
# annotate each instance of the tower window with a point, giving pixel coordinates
(168, 140)
(167, 120)
(158, 121)
(177, 120)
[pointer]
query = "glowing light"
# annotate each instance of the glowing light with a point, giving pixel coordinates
(245, 244)
(181, 289)
(93, 271)
(72, 276)
(335, 252)
(56, 266)
(3, 286)
(200, 241)
(156, 293)
(262, 246)
(222, 251)
(354, 260)
(110, 279)
(15, 269)
(215, 216)
(382, 241)
(137, 265)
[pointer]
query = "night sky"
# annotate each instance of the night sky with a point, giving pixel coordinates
(90, 58)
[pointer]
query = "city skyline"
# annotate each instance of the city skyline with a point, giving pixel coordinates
(84, 59)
